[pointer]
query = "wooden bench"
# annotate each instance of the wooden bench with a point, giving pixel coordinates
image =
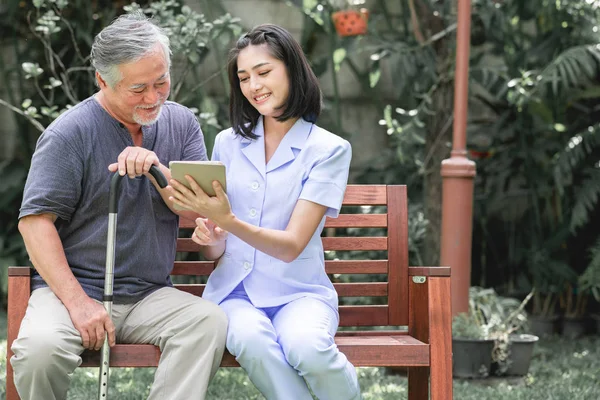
(414, 324)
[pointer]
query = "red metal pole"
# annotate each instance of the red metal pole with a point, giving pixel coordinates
(458, 173)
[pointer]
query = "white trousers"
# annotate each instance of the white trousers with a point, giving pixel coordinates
(189, 330)
(288, 348)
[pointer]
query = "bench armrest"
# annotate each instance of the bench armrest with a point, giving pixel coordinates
(428, 271)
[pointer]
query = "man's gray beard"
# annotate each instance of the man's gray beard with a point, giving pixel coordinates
(139, 120)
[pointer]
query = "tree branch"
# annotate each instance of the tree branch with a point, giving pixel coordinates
(33, 121)
(414, 19)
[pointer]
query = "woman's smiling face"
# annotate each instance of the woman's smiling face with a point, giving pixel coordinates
(263, 79)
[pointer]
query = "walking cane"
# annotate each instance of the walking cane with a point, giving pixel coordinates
(110, 265)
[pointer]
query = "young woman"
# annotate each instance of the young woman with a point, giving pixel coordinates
(284, 176)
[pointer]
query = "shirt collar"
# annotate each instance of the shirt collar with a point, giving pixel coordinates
(295, 138)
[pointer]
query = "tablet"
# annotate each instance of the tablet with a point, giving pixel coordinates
(203, 172)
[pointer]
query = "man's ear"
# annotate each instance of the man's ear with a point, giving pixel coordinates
(101, 82)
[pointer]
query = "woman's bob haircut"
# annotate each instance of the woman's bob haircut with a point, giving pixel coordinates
(304, 94)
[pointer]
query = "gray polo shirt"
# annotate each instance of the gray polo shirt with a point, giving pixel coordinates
(69, 177)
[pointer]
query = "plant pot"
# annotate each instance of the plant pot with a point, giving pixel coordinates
(350, 22)
(574, 328)
(521, 352)
(471, 358)
(543, 326)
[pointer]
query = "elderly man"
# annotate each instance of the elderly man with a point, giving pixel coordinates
(127, 126)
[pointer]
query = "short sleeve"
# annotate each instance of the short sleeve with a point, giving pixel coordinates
(194, 148)
(215, 151)
(327, 179)
(55, 177)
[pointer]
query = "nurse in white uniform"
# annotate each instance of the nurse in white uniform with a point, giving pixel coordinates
(284, 176)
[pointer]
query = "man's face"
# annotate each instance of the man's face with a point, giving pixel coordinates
(143, 89)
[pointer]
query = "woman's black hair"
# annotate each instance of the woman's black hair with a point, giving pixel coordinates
(304, 98)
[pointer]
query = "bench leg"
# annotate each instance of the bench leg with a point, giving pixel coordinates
(430, 321)
(440, 338)
(18, 297)
(418, 322)
(418, 383)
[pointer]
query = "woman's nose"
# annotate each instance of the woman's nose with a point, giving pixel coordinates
(255, 84)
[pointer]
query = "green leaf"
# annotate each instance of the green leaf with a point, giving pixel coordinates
(374, 77)
(32, 70)
(588, 93)
(338, 57)
(559, 127)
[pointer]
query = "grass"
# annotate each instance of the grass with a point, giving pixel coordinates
(561, 369)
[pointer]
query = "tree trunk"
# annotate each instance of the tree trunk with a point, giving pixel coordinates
(437, 148)
(438, 141)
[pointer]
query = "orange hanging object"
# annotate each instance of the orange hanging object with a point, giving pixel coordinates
(351, 22)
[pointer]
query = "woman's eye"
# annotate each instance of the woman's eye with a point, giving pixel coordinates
(264, 73)
(243, 79)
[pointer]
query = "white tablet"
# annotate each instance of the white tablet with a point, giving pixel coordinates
(203, 172)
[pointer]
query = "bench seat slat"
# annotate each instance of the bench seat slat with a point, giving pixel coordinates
(356, 266)
(329, 243)
(360, 195)
(387, 332)
(342, 221)
(377, 350)
(357, 221)
(130, 355)
(364, 315)
(204, 268)
(361, 243)
(194, 268)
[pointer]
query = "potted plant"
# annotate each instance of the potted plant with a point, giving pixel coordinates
(350, 19)
(513, 348)
(492, 336)
(471, 346)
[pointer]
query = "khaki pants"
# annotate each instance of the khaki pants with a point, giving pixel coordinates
(189, 330)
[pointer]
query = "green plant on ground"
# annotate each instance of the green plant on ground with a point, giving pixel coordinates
(469, 326)
(492, 313)
(512, 319)
(494, 317)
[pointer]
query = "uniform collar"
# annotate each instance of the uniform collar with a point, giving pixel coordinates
(295, 138)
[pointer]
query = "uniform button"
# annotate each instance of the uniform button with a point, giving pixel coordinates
(255, 185)
(252, 212)
(246, 265)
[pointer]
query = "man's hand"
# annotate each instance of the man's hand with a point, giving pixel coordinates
(92, 321)
(134, 161)
(207, 233)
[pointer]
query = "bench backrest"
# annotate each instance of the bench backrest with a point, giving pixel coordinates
(392, 293)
